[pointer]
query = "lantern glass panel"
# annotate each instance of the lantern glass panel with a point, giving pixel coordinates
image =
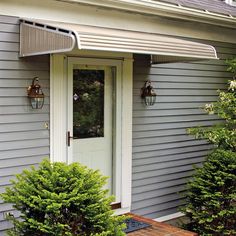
(37, 103)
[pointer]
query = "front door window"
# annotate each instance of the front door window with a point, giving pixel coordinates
(88, 103)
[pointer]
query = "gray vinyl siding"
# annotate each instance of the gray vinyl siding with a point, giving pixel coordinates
(163, 154)
(24, 140)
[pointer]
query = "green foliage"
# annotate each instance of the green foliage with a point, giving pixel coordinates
(222, 135)
(231, 65)
(59, 199)
(211, 196)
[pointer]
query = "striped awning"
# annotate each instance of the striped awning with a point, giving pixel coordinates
(43, 37)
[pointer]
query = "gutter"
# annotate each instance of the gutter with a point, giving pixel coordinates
(156, 8)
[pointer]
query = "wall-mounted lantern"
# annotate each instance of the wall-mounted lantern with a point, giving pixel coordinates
(35, 94)
(148, 94)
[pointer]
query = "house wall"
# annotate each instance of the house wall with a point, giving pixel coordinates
(163, 154)
(24, 138)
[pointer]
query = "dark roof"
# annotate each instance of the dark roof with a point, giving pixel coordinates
(213, 6)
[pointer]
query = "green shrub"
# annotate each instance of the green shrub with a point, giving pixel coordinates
(211, 196)
(59, 199)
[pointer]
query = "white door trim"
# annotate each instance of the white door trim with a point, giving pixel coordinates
(123, 114)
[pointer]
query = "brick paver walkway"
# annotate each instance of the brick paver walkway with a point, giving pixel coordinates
(158, 229)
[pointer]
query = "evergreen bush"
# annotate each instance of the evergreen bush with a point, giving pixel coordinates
(58, 199)
(211, 196)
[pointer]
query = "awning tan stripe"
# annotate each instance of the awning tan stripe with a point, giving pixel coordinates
(40, 37)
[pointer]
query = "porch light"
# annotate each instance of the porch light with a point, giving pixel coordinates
(148, 94)
(35, 94)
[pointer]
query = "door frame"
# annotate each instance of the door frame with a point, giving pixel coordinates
(122, 115)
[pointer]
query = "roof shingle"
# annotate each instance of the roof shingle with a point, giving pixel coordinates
(214, 6)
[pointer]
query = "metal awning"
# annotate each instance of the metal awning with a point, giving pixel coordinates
(43, 37)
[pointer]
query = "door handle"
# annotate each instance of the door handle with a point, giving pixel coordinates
(69, 137)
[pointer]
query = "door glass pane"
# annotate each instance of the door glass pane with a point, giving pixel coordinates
(88, 103)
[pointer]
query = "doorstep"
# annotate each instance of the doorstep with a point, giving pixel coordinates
(158, 229)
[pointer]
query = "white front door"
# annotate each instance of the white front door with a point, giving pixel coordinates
(119, 102)
(90, 116)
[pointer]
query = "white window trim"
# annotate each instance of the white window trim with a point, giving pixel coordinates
(58, 117)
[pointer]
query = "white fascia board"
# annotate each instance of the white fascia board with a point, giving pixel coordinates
(162, 9)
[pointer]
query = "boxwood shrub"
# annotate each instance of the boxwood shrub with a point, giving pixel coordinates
(59, 199)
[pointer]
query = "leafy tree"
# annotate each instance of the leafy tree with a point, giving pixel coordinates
(58, 199)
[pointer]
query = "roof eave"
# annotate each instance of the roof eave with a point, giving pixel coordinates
(162, 9)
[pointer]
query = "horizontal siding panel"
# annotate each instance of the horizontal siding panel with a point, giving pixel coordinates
(162, 178)
(23, 118)
(5, 181)
(157, 201)
(221, 66)
(4, 226)
(24, 152)
(158, 133)
(14, 169)
(160, 185)
(172, 112)
(146, 210)
(5, 206)
(9, 37)
(20, 161)
(13, 101)
(163, 139)
(16, 213)
(167, 164)
(9, 56)
(193, 66)
(21, 109)
(11, 74)
(16, 145)
(24, 138)
(17, 127)
(9, 28)
(180, 78)
(181, 98)
(181, 72)
(181, 85)
(166, 152)
(22, 83)
(167, 145)
(16, 92)
(23, 64)
(11, 47)
(169, 106)
(9, 19)
(14, 136)
(174, 125)
(158, 159)
(171, 170)
(182, 92)
(158, 193)
(167, 119)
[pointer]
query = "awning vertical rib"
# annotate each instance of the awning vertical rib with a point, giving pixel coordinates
(39, 37)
